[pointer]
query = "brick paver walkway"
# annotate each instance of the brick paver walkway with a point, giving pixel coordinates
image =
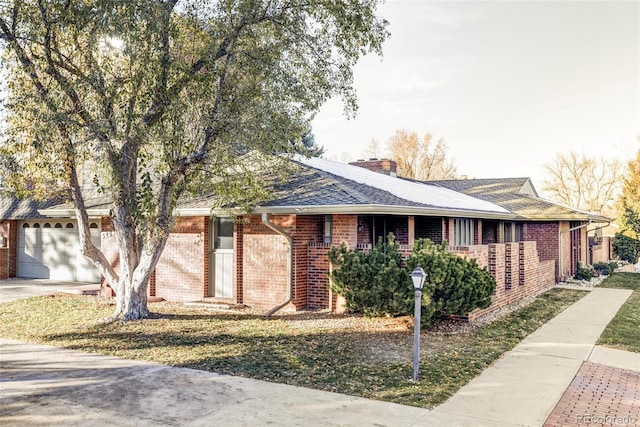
(599, 396)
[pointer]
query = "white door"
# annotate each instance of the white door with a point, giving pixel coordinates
(50, 249)
(222, 259)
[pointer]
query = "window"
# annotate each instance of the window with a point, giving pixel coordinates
(511, 232)
(224, 233)
(69, 225)
(58, 225)
(36, 225)
(93, 225)
(328, 229)
(463, 231)
(47, 225)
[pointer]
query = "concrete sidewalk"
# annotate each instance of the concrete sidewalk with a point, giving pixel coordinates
(523, 387)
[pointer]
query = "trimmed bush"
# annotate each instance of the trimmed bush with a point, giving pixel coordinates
(605, 268)
(374, 283)
(626, 248)
(378, 283)
(460, 284)
(585, 273)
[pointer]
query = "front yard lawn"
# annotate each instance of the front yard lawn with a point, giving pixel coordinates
(341, 353)
(622, 331)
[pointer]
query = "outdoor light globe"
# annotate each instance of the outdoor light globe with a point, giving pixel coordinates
(417, 277)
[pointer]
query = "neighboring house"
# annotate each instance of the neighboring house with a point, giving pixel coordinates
(276, 256)
(601, 243)
(559, 231)
(39, 247)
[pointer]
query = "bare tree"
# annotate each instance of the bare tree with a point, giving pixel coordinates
(373, 149)
(419, 157)
(584, 182)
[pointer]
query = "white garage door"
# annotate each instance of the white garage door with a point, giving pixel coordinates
(50, 249)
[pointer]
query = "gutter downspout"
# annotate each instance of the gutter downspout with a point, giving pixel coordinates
(599, 228)
(560, 243)
(283, 233)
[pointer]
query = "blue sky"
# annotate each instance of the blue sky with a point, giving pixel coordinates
(508, 84)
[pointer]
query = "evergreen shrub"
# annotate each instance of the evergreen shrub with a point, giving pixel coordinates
(374, 283)
(378, 283)
(626, 248)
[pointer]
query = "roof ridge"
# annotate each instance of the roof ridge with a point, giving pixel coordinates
(360, 198)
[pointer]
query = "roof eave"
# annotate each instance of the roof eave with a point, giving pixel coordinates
(370, 209)
(592, 218)
(373, 209)
(71, 213)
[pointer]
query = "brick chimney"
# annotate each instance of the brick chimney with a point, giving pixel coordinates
(385, 166)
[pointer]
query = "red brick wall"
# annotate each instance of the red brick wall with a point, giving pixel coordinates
(4, 263)
(511, 265)
(9, 254)
(238, 253)
(545, 234)
(309, 228)
(479, 252)
(317, 276)
(180, 273)
(345, 229)
(364, 229)
(601, 252)
(264, 262)
(384, 166)
(516, 267)
(429, 228)
(531, 276)
(489, 232)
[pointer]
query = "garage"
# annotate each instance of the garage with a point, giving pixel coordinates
(50, 249)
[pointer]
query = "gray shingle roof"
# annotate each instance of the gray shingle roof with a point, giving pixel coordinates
(311, 187)
(314, 187)
(14, 208)
(518, 196)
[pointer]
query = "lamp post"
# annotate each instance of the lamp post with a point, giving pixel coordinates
(417, 277)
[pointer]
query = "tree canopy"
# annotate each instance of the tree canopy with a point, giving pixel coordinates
(158, 98)
(629, 202)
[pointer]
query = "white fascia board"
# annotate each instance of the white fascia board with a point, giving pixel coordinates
(382, 210)
(71, 213)
(595, 218)
(310, 210)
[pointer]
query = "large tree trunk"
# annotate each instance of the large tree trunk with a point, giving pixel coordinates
(131, 288)
(131, 301)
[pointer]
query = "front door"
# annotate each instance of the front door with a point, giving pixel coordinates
(222, 259)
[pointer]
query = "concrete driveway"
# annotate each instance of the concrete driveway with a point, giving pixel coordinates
(46, 386)
(18, 288)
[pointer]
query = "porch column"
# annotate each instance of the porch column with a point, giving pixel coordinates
(411, 226)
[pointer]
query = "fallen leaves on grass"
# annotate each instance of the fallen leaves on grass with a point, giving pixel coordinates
(342, 353)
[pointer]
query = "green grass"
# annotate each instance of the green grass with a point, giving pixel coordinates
(346, 354)
(622, 331)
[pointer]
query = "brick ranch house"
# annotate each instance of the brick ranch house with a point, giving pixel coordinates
(276, 256)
